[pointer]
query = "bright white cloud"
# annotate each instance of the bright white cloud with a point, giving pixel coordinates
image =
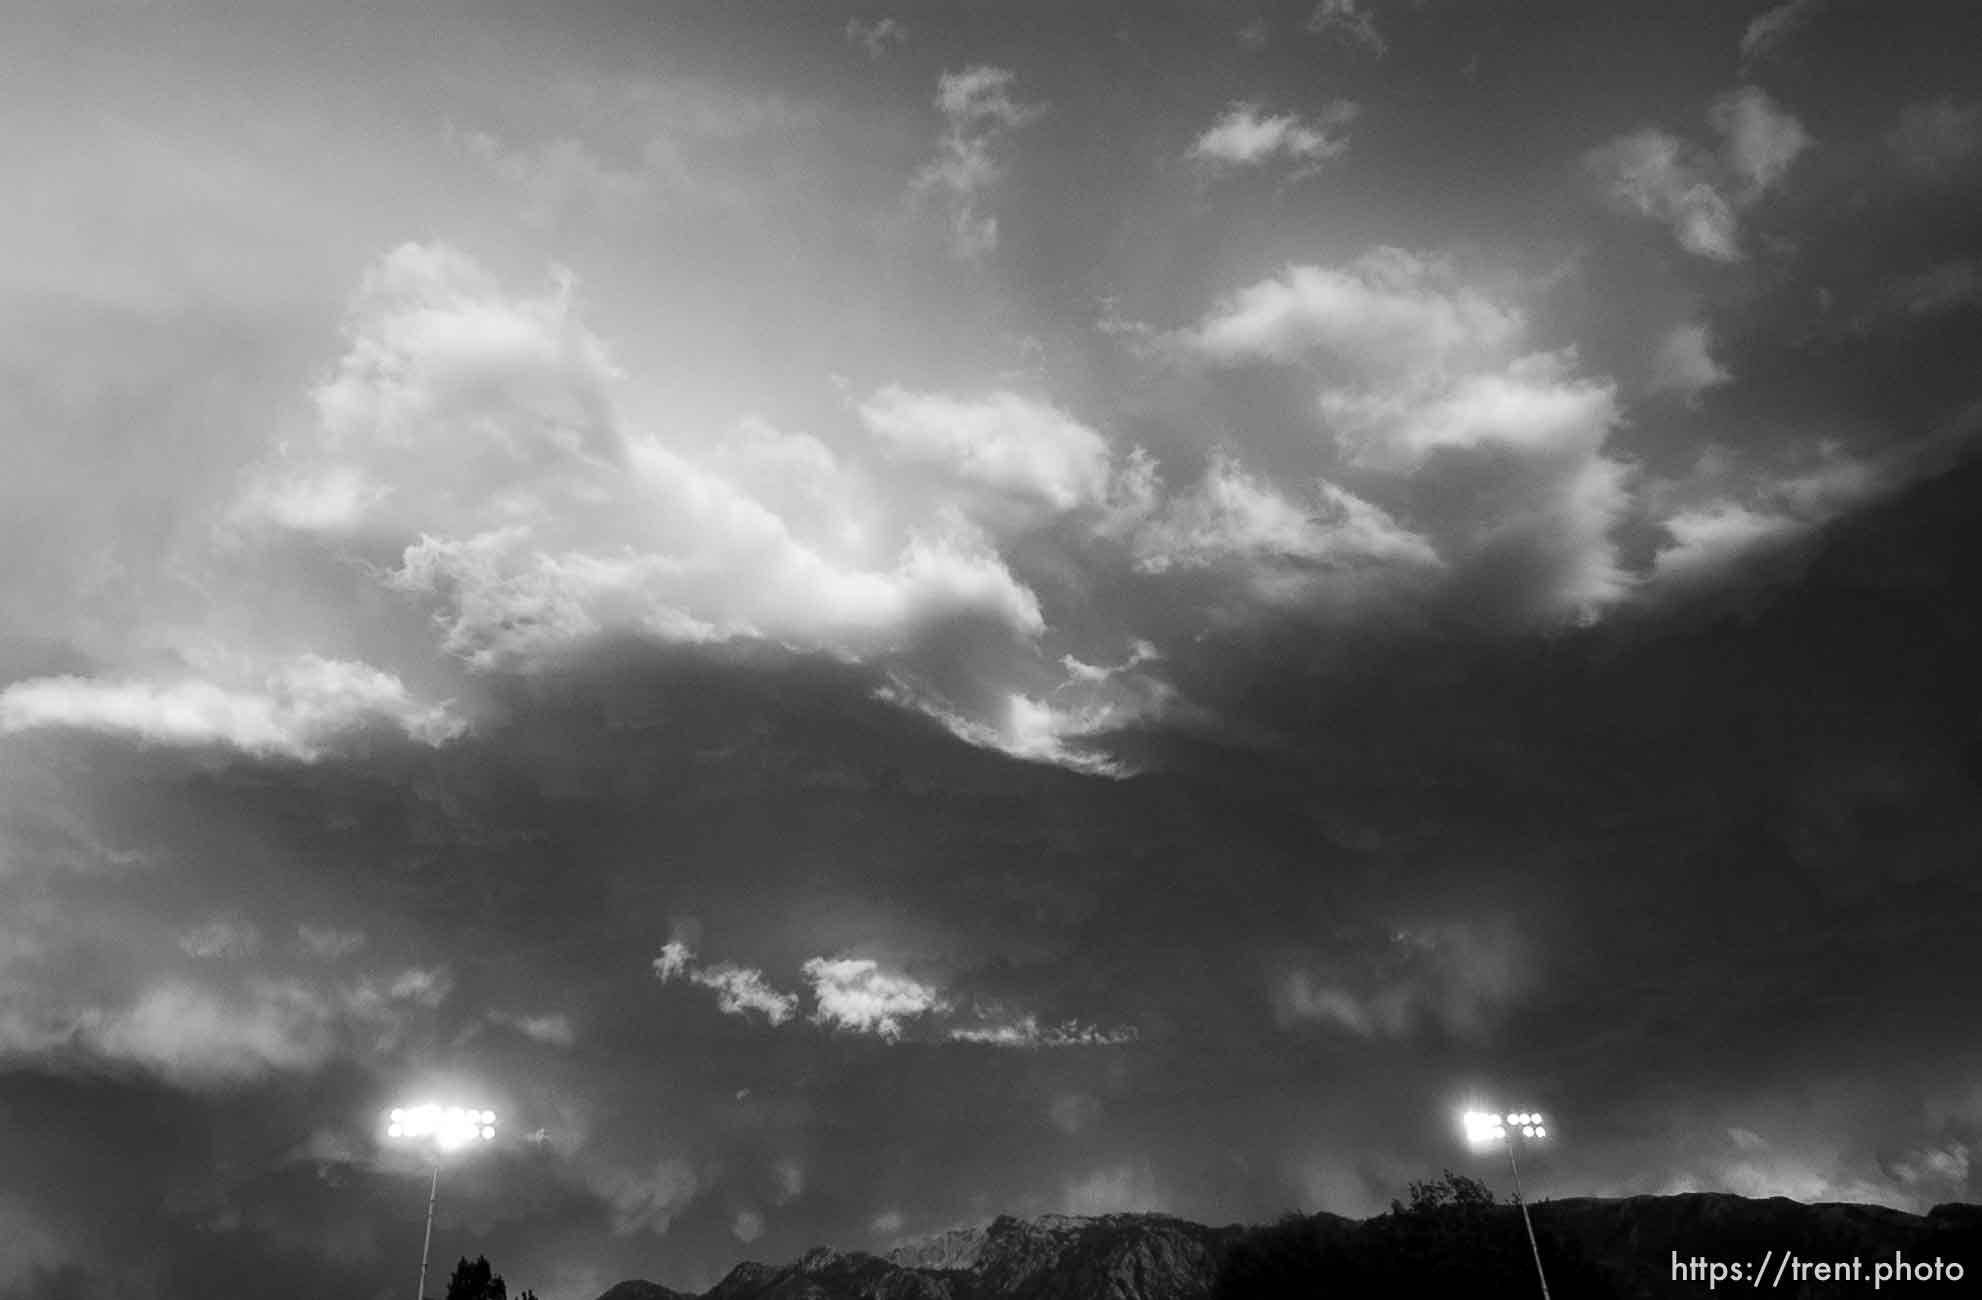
(485, 431)
(1685, 363)
(1391, 311)
(299, 708)
(1002, 441)
(1026, 1031)
(1035, 730)
(978, 111)
(1246, 136)
(673, 962)
(739, 990)
(1349, 20)
(1414, 363)
(855, 994)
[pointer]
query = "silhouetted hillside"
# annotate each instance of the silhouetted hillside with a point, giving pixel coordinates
(1591, 1248)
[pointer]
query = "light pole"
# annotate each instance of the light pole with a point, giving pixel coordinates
(441, 1129)
(1484, 1128)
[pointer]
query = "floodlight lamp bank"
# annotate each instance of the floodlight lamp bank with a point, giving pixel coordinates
(446, 1126)
(1486, 1126)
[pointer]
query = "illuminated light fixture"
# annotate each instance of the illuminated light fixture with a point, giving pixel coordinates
(1483, 1129)
(444, 1129)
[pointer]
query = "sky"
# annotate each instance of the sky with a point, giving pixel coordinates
(861, 617)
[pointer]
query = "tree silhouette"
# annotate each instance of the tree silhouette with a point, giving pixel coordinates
(476, 1281)
(1453, 1238)
(1452, 1192)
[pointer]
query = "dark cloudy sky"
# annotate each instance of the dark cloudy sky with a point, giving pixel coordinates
(865, 616)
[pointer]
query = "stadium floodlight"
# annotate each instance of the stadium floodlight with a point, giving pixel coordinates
(441, 1129)
(1485, 1129)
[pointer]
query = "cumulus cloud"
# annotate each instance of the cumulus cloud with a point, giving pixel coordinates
(1936, 136)
(855, 994)
(1458, 977)
(739, 990)
(978, 111)
(1654, 173)
(298, 709)
(1246, 136)
(1772, 27)
(877, 36)
(1390, 310)
(1348, 20)
(478, 434)
(1002, 441)
(1420, 371)
(1685, 363)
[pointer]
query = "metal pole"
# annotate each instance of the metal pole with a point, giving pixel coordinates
(1522, 1201)
(432, 1195)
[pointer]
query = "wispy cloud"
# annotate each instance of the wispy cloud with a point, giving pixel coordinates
(298, 709)
(1657, 175)
(1351, 21)
(739, 990)
(979, 111)
(553, 1029)
(1937, 136)
(1771, 28)
(877, 36)
(1027, 1032)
